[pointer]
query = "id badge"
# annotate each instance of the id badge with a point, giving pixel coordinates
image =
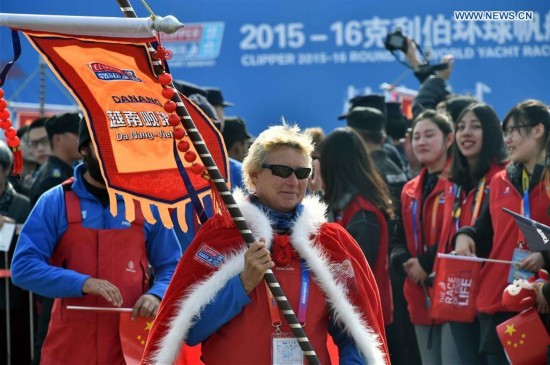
(515, 272)
(285, 350)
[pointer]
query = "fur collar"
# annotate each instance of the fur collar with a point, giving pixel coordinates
(309, 222)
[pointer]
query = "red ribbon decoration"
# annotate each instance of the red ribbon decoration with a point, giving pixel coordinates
(282, 250)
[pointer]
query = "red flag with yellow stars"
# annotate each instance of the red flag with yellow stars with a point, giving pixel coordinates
(133, 336)
(524, 338)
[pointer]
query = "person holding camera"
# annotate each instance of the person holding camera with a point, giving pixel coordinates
(433, 78)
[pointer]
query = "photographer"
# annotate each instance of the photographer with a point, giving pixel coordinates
(433, 78)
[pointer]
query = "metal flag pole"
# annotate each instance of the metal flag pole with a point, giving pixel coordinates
(230, 203)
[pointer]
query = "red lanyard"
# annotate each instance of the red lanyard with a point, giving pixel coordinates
(457, 209)
(433, 228)
(478, 199)
(302, 307)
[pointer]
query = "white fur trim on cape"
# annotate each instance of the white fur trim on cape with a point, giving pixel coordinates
(202, 293)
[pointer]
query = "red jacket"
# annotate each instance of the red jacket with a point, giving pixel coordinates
(119, 256)
(334, 261)
(427, 217)
(466, 209)
(381, 266)
(494, 277)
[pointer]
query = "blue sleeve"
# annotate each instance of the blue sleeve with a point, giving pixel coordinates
(163, 253)
(347, 351)
(191, 221)
(235, 174)
(229, 302)
(38, 239)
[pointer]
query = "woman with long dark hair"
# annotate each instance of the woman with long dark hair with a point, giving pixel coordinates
(359, 200)
(520, 188)
(478, 154)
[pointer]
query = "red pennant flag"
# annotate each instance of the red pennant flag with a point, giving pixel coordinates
(133, 335)
(142, 157)
(524, 338)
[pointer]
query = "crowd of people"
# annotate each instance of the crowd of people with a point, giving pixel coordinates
(350, 223)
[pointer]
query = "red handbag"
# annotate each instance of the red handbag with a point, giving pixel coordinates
(454, 289)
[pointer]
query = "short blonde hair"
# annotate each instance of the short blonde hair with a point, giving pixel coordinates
(272, 138)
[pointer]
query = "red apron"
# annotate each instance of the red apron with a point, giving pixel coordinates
(116, 255)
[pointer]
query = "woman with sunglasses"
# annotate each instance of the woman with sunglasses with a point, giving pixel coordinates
(478, 154)
(217, 297)
(422, 202)
(520, 188)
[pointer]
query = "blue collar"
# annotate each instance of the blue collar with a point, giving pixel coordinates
(282, 222)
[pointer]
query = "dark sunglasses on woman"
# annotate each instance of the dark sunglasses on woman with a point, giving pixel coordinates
(285, 171)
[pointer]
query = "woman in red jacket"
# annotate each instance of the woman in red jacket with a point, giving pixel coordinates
(478, 154)
(422, 202)
(359, 200)
(520, 188)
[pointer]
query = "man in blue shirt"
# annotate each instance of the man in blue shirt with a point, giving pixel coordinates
(72, 248)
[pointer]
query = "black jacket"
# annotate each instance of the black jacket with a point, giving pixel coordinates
(52, 173)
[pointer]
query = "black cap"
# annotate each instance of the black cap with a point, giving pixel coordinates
(394, 111)
(205, 106)
(83, 134)
(375, 101)
(396, 124)
(215, 97)
(64, 123)
(187, 88)
(366, 119)
(235, 129)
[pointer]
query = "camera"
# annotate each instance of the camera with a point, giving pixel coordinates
(396, 41)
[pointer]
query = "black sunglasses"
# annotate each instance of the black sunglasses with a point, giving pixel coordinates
(285, 171)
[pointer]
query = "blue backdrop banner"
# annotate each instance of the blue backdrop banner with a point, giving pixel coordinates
(303, 59)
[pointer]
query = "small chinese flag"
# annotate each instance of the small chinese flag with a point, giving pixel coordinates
(524, 338)
(133, 335)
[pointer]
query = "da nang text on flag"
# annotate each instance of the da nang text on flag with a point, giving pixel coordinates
(113, 81)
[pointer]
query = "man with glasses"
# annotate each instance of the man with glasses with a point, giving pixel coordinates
(60, 133)
(37, 140)
(62, 137)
